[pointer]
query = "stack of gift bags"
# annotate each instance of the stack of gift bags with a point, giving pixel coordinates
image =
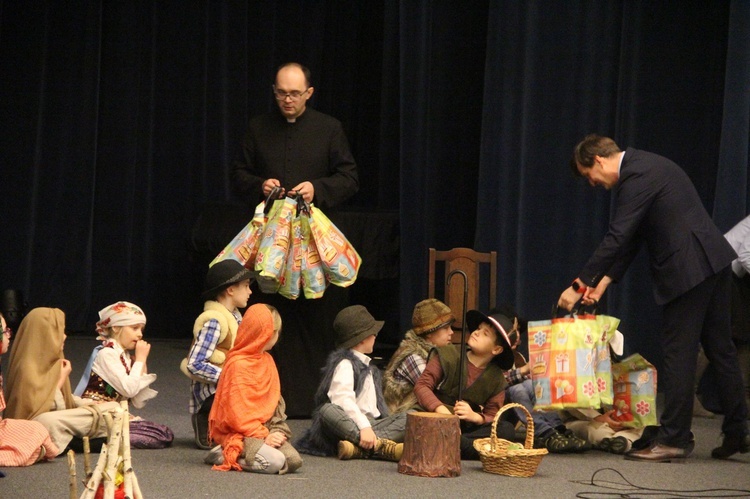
(571, 367)
(293, 249)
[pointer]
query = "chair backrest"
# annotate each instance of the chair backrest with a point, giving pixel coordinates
(470, 262)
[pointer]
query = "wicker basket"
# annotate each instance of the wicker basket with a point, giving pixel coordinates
(497, 456)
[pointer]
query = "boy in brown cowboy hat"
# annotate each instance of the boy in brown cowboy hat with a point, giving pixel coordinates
(351, 416)
(482, 381)
(227, 290)
(431, 328)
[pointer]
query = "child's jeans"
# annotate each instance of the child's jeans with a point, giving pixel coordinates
(523, 393)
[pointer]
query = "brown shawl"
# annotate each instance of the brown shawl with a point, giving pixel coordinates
(35, 363)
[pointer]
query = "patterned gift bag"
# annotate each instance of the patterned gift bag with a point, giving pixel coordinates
(313, 279)
(291, 280)
(635, 391)
(570, 362)
(244, 246)
(338, 257)
(271, 260)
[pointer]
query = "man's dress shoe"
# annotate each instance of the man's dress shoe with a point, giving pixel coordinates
(731, 446)
(659, 453)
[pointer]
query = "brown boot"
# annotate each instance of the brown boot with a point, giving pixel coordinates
(388, 450)
(348, 450)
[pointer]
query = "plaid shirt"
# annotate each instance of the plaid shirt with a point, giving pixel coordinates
(514, 376)
(199, 365)
(410, 369)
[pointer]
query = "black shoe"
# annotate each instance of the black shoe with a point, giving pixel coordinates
(731, 446)
(554, 442)
(200, 427)
(576, 444)
(615, 445)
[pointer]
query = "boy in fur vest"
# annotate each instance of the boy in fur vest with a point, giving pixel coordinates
(488, 356)
(350, 416)
(431, 328)
(227, 290)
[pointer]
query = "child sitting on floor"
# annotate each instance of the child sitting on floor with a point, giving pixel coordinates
(247, 418)
(549, 430)
(489, 355)
(226, 291)
(22, 443)
(601, 430)
(115, 374)
(351, 415)
(38, 382)
(431, 328)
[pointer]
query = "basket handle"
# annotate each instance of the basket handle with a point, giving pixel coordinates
(529, 443)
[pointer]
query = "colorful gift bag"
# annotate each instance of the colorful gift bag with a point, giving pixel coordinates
(570, 362)
(338, 257)
(291, 279)
(312, 276)
(244, 246)
(634, 392)
(274, 246)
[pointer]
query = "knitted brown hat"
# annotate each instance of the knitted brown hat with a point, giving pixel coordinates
(430, 315)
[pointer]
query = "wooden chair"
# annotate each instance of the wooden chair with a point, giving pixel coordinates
(474, 264)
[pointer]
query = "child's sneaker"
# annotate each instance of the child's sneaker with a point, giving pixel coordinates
(388, 450)
(615, 445)
(577, 444)
(555, 442)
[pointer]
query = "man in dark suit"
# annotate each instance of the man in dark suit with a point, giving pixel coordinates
(657, 204)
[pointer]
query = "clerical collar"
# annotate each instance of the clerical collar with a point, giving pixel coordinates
(294, 120)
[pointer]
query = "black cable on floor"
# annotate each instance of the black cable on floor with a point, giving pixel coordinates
(628, 490)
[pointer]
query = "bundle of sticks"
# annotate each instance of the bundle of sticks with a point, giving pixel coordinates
(115, 455)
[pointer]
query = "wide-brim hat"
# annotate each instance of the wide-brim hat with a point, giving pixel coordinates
(502, 324)
(353, 324)
(222, 275)
(430, 315)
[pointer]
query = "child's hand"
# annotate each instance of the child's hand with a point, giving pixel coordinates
(441, 409)
(65, 369)
(275, 439)
(608, 418)
(466, 413)
(142, 349)
(367, 438)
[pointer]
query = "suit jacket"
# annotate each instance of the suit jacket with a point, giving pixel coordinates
(657, 204)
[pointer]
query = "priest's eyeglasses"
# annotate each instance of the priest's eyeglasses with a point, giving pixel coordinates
(294, 95)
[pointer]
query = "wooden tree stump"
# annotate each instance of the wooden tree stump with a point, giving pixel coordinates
(432, 446)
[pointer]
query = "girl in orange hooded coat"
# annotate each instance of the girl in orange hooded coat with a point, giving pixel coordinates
(247, 418)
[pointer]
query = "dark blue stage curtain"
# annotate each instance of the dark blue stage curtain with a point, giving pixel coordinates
(119, 120)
